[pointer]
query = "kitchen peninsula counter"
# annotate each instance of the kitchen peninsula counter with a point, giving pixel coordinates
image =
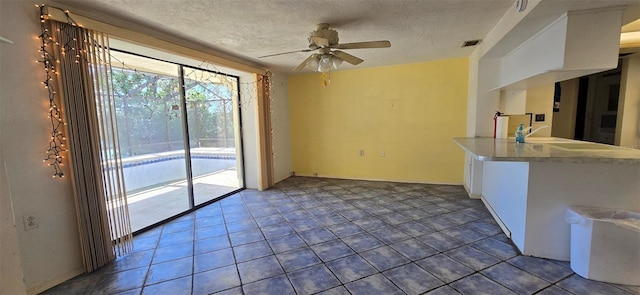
(528, 187)
(547, 149)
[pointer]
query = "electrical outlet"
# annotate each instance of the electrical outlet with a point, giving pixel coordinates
(30, 221)
(540, 117)
(362, 153)
(382, 153)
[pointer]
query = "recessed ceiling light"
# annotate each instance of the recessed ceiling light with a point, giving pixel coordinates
(471, 43)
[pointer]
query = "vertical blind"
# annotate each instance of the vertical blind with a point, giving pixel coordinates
(94, 150)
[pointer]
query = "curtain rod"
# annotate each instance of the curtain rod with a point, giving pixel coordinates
(61, 15)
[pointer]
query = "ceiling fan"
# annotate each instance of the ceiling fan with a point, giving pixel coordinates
(325, 40)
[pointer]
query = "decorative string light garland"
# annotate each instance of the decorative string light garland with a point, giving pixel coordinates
(246, 88)
(54, 153)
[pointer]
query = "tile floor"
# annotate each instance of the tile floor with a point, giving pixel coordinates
(328, 236)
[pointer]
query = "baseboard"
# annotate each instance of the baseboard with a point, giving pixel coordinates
(281, 179)
(472, 196)
(41, 287)
(499, 221)
(379, 179)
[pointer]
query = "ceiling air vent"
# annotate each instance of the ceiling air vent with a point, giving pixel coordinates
(471, 43)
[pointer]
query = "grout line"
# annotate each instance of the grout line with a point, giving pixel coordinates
(144, 282)
(193, 251)
(299, 193)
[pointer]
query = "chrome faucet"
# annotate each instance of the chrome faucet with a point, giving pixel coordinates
(535, 130)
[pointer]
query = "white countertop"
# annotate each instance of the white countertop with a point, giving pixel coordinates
(547, 149)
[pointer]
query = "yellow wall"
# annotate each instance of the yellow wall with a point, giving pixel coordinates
(564, 121)
(412, 112)
(540, 101)
(628, 124)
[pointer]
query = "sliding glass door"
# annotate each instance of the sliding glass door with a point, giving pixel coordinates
(210, 100)
(179, 135)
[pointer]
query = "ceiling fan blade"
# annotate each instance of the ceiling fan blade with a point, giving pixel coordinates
(347, 57)
(305, 62)
(282, 53)
(359, 45)
(320, 41)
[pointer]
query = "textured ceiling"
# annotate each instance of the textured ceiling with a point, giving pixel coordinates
(419, 30)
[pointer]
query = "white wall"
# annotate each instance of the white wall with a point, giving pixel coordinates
(484, 71)
(279, 123)
(472, 93)
(281, 140)
(513, 102)
(628, 123)
(487, 101)
(249, 115)
(11, 276)
(50, 253)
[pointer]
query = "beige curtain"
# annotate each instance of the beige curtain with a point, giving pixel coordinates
(92, 134)
(266, 170)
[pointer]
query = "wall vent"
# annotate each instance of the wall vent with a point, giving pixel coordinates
(471, 43)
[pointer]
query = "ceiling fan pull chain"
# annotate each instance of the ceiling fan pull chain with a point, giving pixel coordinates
(326, 79)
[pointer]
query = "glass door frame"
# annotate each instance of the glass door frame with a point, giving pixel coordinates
(237, 134)
(237, 107)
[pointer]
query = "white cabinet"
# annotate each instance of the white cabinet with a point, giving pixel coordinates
(473, 176)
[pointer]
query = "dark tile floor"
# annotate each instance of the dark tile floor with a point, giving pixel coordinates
(328, 236)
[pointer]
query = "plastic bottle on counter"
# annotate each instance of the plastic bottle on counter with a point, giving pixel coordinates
(520, 134)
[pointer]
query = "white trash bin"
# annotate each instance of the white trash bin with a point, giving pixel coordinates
(605, 244)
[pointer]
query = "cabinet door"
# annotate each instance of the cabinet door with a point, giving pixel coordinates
(473, 176)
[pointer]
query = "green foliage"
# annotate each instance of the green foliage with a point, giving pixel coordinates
(149, 112)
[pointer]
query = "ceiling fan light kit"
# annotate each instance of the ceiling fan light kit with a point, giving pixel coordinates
(325, 39)
(324, 63)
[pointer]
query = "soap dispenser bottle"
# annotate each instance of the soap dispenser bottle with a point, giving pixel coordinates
(520, 134)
